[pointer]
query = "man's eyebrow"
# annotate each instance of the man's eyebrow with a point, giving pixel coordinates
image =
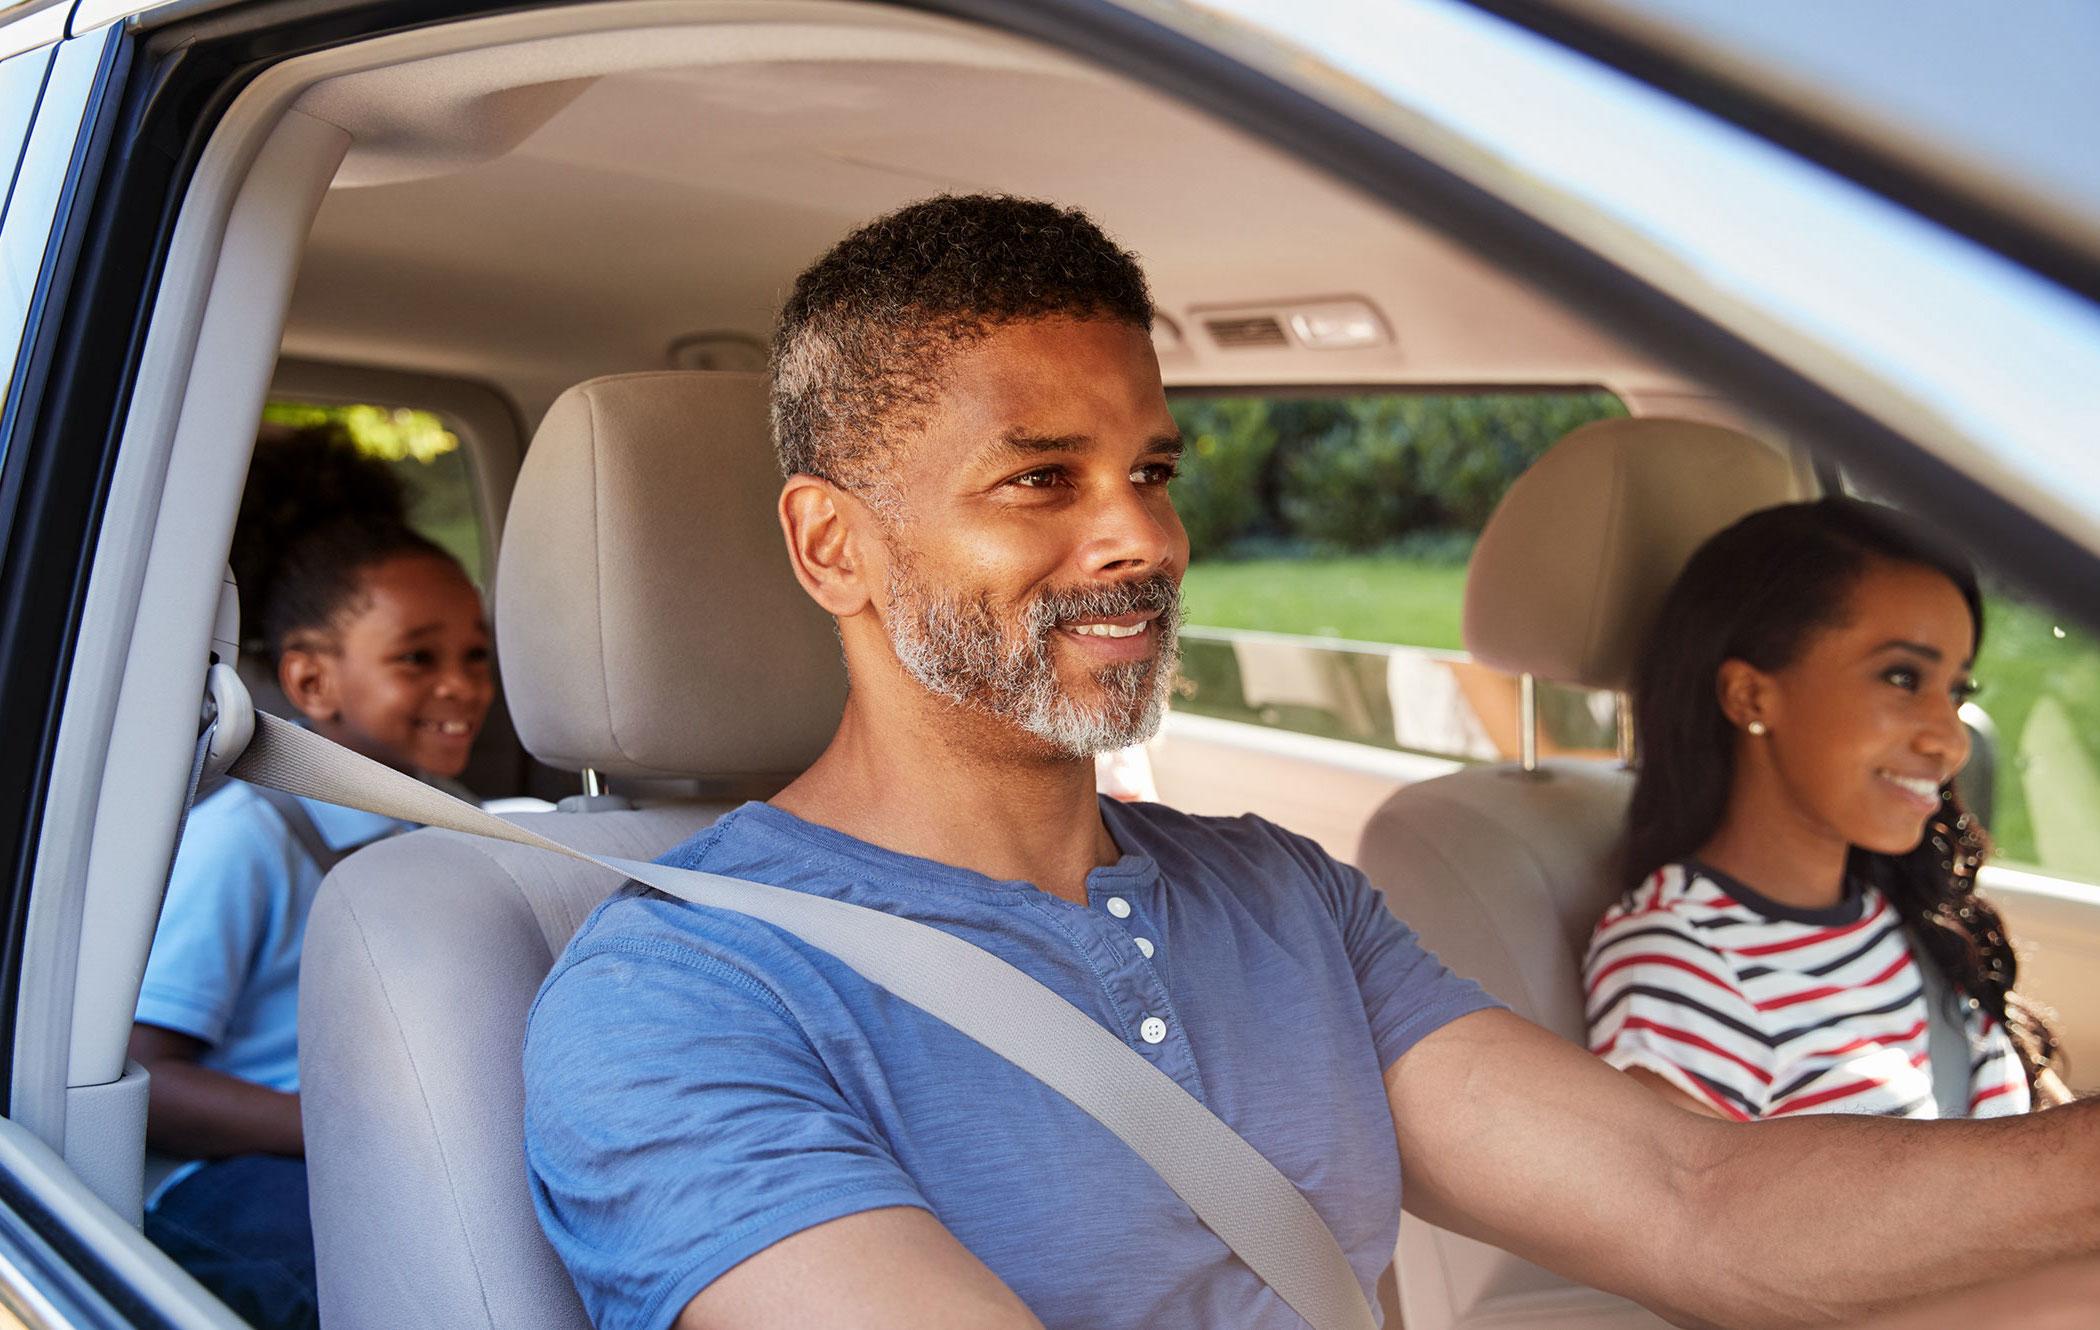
(1022, 443)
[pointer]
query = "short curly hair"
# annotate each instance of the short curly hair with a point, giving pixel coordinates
(870, 324)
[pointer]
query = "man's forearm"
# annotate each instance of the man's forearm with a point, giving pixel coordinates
(1818, 1219)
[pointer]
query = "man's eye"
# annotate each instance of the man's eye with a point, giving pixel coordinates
(1156, 473)
(1041, 478)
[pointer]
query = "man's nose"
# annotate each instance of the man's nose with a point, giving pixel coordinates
(1132, 529)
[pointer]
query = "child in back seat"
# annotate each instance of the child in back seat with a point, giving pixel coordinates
(378, 640)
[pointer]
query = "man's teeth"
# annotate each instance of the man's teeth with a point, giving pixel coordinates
(1105, 629)
(450, 727)
(1924, 789)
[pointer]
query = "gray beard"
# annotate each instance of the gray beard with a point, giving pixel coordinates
(957, 648)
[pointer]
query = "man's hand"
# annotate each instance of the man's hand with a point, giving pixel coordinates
(1514, 1136)
(196, 1112)
(894, 1269)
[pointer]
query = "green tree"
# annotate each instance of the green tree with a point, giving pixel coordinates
(1219, 490)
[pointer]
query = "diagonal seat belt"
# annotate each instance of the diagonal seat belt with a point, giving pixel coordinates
(1238, 1194)
(1946, 1036)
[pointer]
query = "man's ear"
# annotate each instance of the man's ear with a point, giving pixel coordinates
(1746, 693)
(308, 678)
(828, 532)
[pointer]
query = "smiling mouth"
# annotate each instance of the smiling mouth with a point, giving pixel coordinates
(450, 729)
(1923, 790)
(1107, 629)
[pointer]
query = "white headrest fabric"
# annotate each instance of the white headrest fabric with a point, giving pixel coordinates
(1572, 568)
(647, 617)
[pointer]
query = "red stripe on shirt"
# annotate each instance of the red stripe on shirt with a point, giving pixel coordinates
(1993, 1093)
(1682, 1037)
(1902, 1037)
(1800, 1102)
(1831, 990)
(1811, 939)
(1655, 958)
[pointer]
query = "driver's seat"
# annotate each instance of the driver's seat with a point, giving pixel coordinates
(649, 628)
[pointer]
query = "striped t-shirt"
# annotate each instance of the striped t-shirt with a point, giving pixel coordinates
(1762, 1009)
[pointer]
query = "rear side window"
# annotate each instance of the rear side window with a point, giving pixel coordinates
(2040, 689)
(426, 454)
(1329, 536)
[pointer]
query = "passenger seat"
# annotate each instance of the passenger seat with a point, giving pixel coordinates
(1504, 872)
(650, 629)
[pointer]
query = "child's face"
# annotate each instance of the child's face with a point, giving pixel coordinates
(408, 680)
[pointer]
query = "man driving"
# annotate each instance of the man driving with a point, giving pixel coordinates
(728, 1127)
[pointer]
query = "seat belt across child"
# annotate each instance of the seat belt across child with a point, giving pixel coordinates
(1237, 1193)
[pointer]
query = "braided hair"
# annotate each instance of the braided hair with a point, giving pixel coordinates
(1757, 592)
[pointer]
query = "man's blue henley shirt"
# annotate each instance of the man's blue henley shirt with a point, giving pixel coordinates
(699, 1085)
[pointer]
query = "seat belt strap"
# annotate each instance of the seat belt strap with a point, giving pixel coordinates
(1239, 1195)
(1946, 1038)
(301, 824)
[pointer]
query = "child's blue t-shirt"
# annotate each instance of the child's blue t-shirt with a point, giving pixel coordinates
(225, 962)
(700, 1085)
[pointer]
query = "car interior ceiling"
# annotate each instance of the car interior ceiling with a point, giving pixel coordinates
(535, 234)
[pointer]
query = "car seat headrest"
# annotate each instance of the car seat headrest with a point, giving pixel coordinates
(647, 617)
(1572, 568)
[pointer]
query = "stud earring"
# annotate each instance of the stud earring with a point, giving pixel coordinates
(1757, 727)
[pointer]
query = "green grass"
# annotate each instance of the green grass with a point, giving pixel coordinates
(1365, 599)
(2025, 660)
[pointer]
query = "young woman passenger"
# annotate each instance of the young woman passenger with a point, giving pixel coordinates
(378, 640)
(1797, 843)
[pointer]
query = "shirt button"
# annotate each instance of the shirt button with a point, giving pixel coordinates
(1144, 946)
(1152, 1030)
(1119, 907)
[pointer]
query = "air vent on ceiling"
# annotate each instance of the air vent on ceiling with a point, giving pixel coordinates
(1237, 331)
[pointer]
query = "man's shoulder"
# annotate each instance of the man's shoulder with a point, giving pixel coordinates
(1246, 835)
(640, 952)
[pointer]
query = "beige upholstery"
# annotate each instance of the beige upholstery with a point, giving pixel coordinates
(649, 627)
(1572, 566)
(648, 620)
(422, 957)
(1504, 872)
